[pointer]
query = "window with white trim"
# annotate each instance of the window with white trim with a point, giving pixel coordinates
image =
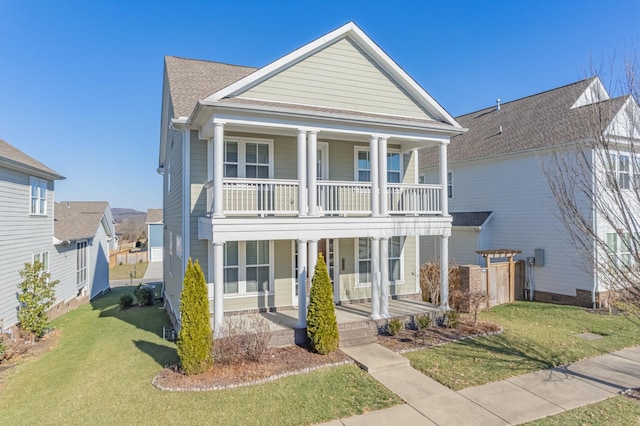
(618, 170)
(248, 158)
(395, 259)
(43, 258)
(619, 249)
(247, 267)
(81, 263)
(179, 245)
(38, 196)
(169, 177)
(171, 253)
(363, 165)
(450, 184)
(364, 261)
(394, 167)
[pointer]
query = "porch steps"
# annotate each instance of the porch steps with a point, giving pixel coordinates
(357, 334)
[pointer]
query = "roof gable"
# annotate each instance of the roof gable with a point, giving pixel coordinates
(78, 220)
(595, 92)
(12, 157)
(322, 56)
(626, 121)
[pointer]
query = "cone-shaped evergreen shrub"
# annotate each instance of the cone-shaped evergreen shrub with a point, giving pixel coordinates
(322, 326)
(195, 339)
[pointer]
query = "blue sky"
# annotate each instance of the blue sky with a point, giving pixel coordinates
(81, 81)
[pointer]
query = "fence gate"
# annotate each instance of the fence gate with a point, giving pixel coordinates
(499, 277)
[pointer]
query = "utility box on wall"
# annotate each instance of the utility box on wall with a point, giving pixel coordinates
(539, 255)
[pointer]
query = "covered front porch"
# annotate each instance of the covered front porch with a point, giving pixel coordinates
(350, 317)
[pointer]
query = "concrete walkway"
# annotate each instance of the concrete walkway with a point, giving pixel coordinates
(511, 401)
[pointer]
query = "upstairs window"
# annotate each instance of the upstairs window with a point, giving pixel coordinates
(619, 171)
(38, 196)
(394, 167)
(248, 159)
(449, 184)
(363, 166)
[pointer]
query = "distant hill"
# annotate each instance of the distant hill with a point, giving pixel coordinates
(130, 223)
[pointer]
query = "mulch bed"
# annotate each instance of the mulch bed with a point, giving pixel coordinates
(275, 363)
(411, 340)
(21, 350)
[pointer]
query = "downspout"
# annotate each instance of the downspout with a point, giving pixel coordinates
(594, 219)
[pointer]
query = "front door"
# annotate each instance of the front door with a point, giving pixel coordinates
(329, 250)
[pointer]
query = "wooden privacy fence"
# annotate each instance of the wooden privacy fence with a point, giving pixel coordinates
(127, 257)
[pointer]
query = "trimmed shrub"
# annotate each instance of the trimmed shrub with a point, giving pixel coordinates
(394, 325)
(453, 319)
(36, 294)
(322, 326)
(243, 338)
(126, 301)
(424, 322)
(195, 339)
(144, 295)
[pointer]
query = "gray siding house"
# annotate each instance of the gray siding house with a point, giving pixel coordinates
(315, 153)
(155, 234)
(26, 221)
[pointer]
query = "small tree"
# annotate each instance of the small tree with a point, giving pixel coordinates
(322, 326)
(195, 339)
(36, 294)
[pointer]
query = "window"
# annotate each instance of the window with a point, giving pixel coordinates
(179, 245)
(38, 196)
(247, 267)
(169, 177)
(394, 169)
(619, 170)
(619, 249)
(395, 259)
(171, 253)
(636, 172)
(231, 264)
(81, 263)
(247, 159)
(623, 172)
(364, 261)
(363, 166)
(42, 258)
(450, 184)
(422, 179)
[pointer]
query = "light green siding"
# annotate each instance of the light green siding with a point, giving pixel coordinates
(198, 207)
(339, 76)
(408, 286)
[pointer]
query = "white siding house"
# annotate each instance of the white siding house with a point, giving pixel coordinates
(155, 234)
(26, 221)
(497, 167)
(315, 153)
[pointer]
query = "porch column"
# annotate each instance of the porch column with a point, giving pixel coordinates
(444, 272)
(444, 198)
(312, 171)
(382, 174)
(384, 277)
(302, 284)
(375, 278)
(218, 287)
(373, 170)
(218, 168)
(313, 259)
(302, 173)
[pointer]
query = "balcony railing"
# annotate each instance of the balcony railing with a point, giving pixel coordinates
(279, 197)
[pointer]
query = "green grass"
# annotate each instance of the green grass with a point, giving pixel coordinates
(536, 336)
(121, 272)
(618, 410)
(101, 372)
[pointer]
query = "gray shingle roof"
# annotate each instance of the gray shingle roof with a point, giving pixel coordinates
(469, 218)
(154, 216)
(191, 80)
(534, 122)
(12, 156)
(77, 220)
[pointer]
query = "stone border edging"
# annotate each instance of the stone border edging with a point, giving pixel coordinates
(472, 336)
(252, 383)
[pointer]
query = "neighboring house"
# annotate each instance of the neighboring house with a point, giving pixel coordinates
(315, 153)
(26, 221)
(155, 234)
(499, 193)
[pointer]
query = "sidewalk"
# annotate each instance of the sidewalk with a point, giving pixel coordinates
(506, 402)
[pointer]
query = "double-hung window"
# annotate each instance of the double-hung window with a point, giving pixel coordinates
(364, 261)
(618, 170)
(247, 267)
(363, 166)
(395, 245)
(38, 196)
(81, 263)
(395, 259)
(450, 184)
(394, 167)
(619, 249)
(248, 158)
(43, 258)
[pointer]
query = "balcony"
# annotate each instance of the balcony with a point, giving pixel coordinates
(279, 197)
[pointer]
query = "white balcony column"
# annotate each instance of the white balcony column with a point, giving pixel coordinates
(218, 168)
(313, 259)
(384, 277)
(373, 170)
(444, 272)
(312, 172)
(375, 278)
(444, 198)
(382, 174)
(302, 284)
(302, 173)
(218, 288)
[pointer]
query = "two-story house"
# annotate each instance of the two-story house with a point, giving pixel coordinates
(315, 153)
(26, 221)
(499, 190)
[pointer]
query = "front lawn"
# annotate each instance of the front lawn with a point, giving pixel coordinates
(618, 410)
(101, 372)
(536, 336)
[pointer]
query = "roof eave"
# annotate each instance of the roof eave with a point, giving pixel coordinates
(16, 165)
